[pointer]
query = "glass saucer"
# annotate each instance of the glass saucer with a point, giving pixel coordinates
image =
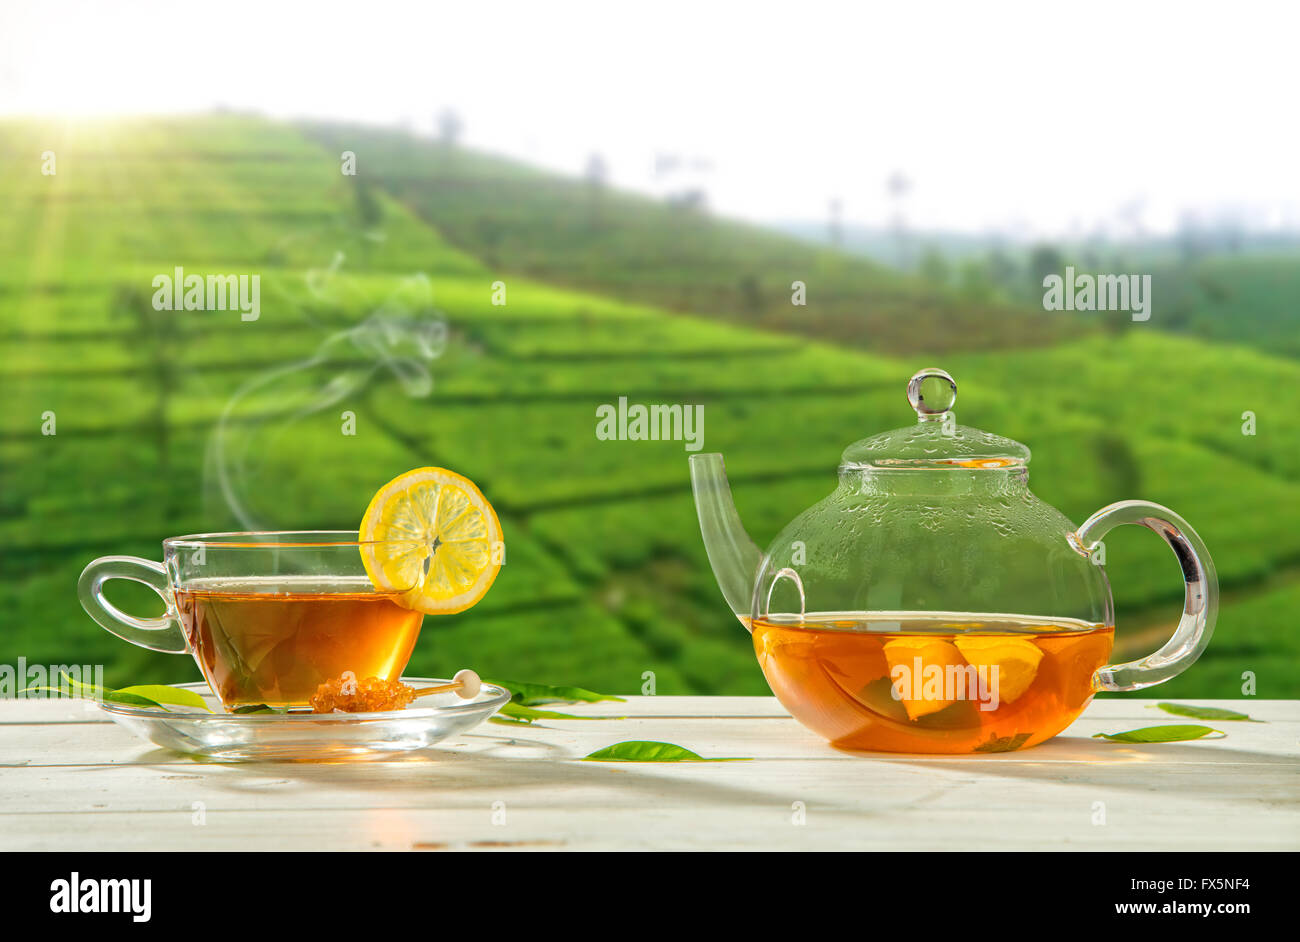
(237, 737)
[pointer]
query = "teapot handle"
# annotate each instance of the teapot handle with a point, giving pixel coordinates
(1200, 606)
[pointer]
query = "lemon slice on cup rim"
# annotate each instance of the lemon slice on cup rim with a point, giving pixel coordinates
(431, 538)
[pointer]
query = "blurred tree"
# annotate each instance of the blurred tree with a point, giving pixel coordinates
(1133, 215)
(1002, 271)
(665, 164)
(1215, 290)
(898, 186)
(596, 175)
(835, 228)
(1190, 239)
(450, 127)
(597, 172)
(681, 180)
(1120, 471)
(1233, 227)
(1044, 260)
(975, 282)
(691, 200)
(934, 268)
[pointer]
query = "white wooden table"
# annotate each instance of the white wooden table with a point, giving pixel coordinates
(71, 780)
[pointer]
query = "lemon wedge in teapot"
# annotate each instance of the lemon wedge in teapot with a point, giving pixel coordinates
(921, 689)
(1015, 659)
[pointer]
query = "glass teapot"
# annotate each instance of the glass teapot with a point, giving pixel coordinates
(931, 603)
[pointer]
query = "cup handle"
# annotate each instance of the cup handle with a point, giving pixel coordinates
(156, 634)
(1200, 605)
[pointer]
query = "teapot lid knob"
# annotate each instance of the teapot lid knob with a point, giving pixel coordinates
(932, 392)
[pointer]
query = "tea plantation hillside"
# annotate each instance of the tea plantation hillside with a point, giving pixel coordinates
(580, 233)
(1242, 299)
(378, 347)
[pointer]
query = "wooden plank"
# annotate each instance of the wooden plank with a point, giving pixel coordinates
(22, 711)
(877, 825)
(769, 737)
(74, 783)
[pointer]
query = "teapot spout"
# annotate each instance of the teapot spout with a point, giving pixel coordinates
(732, 554)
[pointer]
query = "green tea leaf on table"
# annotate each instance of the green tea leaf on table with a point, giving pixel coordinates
(537, 694)
(646, 751)
(74, 688)
(509, 720)
(1160, 734)
(80, 691)
(141, 695)
(110, 696)
(527, 714)
(164, 694)
(1206, 713)
(131, 699)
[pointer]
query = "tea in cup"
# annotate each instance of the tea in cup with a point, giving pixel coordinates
(267, 616)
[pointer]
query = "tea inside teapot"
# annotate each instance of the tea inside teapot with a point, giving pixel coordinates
(931, 682)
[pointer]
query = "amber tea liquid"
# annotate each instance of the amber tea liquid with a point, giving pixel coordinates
(932, 683)
(275, 641)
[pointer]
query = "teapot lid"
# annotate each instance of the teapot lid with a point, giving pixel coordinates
(936, 441)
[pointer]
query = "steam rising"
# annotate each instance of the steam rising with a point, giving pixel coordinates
(399, 340)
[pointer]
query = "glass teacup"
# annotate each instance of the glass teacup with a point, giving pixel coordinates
(268, 616)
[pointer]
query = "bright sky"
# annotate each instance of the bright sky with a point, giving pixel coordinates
(1011, 117)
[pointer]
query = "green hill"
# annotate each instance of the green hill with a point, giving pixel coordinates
(606, 577)
(1242, 299)
(581, 234)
